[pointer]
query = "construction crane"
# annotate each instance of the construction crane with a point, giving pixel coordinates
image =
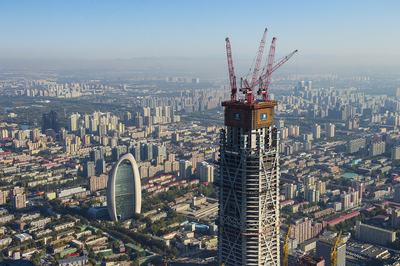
(245, 87)
(286, 247)
(264, 79)
(231, 70)
(334, 248)
(263, 88)
(259, 58)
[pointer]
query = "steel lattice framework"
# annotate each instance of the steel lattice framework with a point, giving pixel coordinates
(248, 183)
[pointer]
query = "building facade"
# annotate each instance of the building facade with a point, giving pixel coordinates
(124, 192)
(248, 182)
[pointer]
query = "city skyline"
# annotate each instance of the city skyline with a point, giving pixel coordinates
(184, 133)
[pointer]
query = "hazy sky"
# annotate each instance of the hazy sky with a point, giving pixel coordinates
(358, 29)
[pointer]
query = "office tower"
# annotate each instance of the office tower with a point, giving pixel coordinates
(185, 169)
(100, 167)
(248, 184)
(124, 191)
(146, 151)
(317, 131)
(331, 130)
(324, 249)
(73, 122)
(50, 121)
(135, 150)
(116, 153)
(90, 169)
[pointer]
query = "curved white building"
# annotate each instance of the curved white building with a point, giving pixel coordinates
(124, 193)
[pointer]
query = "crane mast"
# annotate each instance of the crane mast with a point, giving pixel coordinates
(259, 58)
(231, 70)
(286, 247)
(263, 90)
(335, 245)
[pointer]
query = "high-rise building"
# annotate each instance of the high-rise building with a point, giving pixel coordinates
(377, 148)
(331, 130)
(3, 197)
(289, 190)
(98, 182)
(304, 229)
(90, 169)
(19, 201)
(50, 121)
(73, 122)
(124, 191)
(324, 249)
(100, 167)
(185, 169)
(398, 92)
(248, 184)
(205, 172)
(396, 153)
(317, 131)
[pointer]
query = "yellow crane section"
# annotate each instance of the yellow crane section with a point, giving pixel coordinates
(286, 247)
(335, 245)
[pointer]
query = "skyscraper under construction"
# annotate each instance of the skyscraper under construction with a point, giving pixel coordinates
(248, 178)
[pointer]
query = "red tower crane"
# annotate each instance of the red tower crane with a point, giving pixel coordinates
(231, 70)
(259, 58)
(264, 83)
(264, 80)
